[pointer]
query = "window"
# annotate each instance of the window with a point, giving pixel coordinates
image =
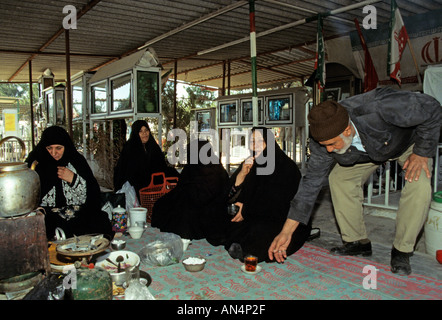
(121, 97)
(148, 93)
(247, 111)
(77, 101)
(98, 97)
(227, 112)
(279, 108)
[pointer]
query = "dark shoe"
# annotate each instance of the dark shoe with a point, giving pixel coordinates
(400, 262)
(353, 249)
(315, 233)
(235, 251)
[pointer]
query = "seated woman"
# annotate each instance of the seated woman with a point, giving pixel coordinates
(69, 192)
(141, 156)
(263, 199)
(196, 208)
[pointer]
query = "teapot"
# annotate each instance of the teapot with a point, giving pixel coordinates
(19, 186)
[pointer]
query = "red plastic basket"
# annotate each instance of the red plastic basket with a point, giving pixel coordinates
(150, 194)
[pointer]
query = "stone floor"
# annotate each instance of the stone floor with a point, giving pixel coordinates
(380, 226)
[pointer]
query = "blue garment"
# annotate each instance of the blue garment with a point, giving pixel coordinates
(357, 143)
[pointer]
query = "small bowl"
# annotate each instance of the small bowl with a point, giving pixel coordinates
(194, 264)
(130, 259)
(136, 232)
(118, 244)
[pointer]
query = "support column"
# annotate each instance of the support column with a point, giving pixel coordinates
(68, 87)
(253, 61)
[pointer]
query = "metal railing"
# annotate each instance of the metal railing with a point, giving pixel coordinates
(12, 151)
(382, 184)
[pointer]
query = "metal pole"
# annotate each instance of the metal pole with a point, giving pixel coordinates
(31, 104)
(289, 25)
(253, 61)
(224, 79)
(228, 77)
(68, 86)
(175, 94)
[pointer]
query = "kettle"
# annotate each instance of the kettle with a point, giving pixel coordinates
(19, 186)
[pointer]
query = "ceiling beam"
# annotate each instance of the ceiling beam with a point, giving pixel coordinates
(177, 30)
(57, 54)
(288, 25)
(193, 23)
(82, 12)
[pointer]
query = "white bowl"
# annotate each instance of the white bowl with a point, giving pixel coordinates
(136, 232)
(194, 264)
(130, 259)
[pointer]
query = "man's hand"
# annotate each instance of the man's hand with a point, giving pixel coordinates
(413, 167)
(278, 248)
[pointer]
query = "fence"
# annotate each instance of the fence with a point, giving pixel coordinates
(11, 150)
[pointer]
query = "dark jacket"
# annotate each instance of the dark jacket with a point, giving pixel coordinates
(388, 122)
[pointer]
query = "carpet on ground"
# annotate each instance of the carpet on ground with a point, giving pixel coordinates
(309, 274)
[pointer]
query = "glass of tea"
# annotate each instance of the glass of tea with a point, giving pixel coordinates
(250, 263)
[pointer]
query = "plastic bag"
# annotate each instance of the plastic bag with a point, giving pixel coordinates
(131, 196)
(165, 250)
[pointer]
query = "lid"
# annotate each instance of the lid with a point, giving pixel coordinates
(437, 196)
(119, 209)
(12, 166)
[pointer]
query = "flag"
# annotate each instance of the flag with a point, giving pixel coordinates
(370, 75)
(320, 56)
(397, 42)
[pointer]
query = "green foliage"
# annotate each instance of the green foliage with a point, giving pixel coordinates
(197, 97)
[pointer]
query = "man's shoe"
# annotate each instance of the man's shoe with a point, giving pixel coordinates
(353, 249)
(400, 262)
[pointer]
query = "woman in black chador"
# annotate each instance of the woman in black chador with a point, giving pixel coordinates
(263, 187)
(196, 207)
(70, 194)
(141, 156)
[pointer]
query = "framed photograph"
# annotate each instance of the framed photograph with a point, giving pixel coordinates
(345, 95)
(332, 94)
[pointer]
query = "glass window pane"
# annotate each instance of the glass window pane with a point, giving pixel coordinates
(148, 93)
(59, 100)
(77, 101)
(247, 111)
(228, 112)
(98, 95)
(50, 102)
(121, 93)
(279, 109)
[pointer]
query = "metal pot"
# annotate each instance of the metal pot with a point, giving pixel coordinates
(19, 186)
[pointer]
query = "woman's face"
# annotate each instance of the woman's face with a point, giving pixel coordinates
(56, 151)
(257, 144)
(144, 134)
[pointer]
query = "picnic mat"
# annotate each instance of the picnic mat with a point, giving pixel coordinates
(309, 274)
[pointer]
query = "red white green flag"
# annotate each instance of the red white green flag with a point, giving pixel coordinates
(320, 56)
(397, 42)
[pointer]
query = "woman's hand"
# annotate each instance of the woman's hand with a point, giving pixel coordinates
(245, 169)
(65, 174)
(238, 217)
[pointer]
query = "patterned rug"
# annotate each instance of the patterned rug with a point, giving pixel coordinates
(311, 273)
